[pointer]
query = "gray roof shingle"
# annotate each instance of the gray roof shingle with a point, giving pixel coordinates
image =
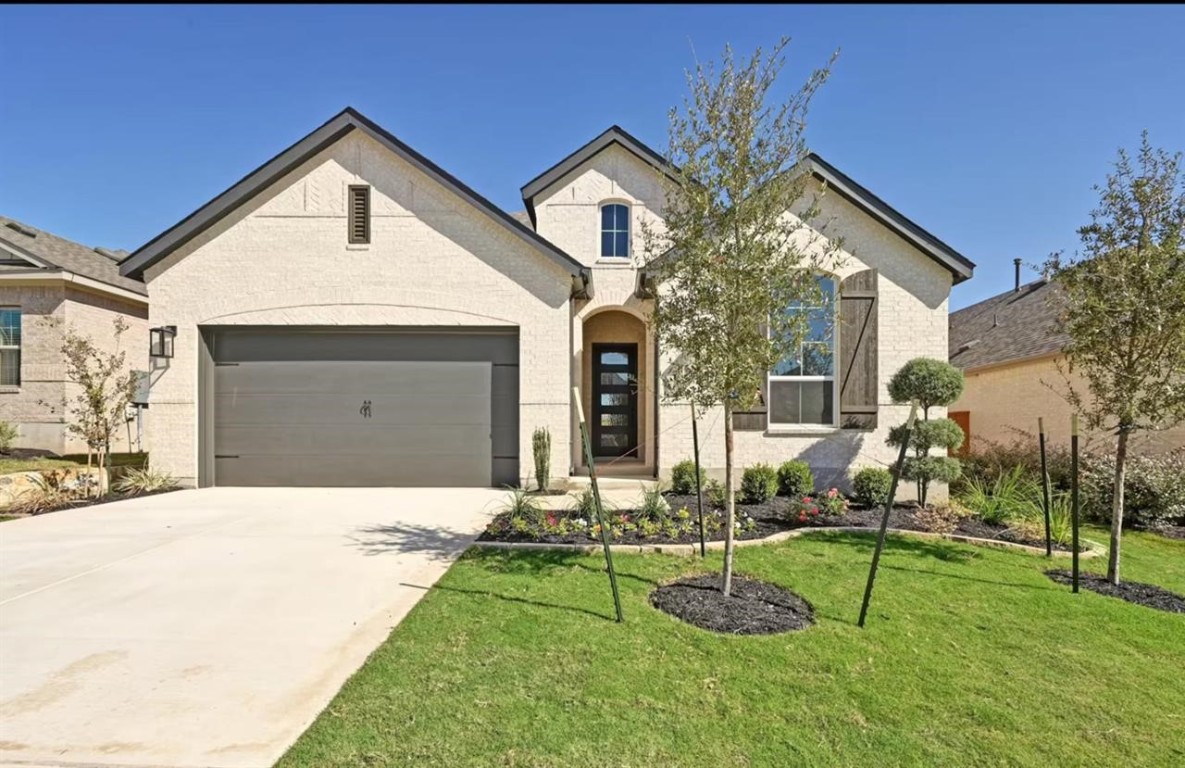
(1016, 325)
(68, 255)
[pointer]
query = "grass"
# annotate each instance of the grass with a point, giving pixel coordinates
(10, 464)
(971, 656)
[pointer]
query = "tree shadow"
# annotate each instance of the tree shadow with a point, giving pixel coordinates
(543, 561)
(946, 551)
(961, 577)
(512, 599)
(438, 544)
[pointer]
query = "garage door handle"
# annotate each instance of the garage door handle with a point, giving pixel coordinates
(224, 456)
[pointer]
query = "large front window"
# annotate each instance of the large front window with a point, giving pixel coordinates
(10, 347)
(802, 385)
(615, 231)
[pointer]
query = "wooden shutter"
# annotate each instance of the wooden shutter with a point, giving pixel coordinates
(858, 340)
(359, 214)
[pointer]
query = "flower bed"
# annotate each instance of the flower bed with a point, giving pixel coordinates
(754, 521)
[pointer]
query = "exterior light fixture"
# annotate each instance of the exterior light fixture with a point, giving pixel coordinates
(160, 341)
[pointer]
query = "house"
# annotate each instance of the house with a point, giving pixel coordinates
(350, 313)
(48, 283)
(1009, 348)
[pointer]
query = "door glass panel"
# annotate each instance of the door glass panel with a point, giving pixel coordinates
(615, 419)
(614, 358)
(615, 399)
(615, 379)
(615, 440)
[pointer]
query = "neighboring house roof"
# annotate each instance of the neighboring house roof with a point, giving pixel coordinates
(959, 265)
(614, 135)
(46, 252)
(337, 127)
(524, 217)
(1014, 326)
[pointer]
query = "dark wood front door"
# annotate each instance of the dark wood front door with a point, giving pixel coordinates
(615, 399)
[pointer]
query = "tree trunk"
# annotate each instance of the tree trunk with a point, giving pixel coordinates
(1117, 507)
(729, 499)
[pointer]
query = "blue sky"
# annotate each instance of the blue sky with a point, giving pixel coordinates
(986, 125)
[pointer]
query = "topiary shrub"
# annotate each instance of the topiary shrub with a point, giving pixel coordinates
(759, 484)
(871, 486)
(683, 478)
(929, 383)
(795, 479)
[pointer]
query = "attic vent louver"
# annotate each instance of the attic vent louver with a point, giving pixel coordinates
(359, 214)
(26, 231)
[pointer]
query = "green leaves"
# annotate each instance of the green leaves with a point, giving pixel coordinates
(928, 381)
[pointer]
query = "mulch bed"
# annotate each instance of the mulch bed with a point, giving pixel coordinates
(1171, 531)
(78, 503)
(771, 517)
(754, 608)
(1148, 595)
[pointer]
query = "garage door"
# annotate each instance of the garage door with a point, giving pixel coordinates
(317, 407)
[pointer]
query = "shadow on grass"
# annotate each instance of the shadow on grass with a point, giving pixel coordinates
(540, 562)
(512, 599)
(865, 543)
(961, 577)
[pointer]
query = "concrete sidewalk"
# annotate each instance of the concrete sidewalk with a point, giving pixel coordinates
(207, 628)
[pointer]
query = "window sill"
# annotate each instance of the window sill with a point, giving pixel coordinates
(802, 430)
(9, 389)
(357, 246)
(614, 262)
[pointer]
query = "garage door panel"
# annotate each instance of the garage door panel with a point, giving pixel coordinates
(333, 411)
(346, 378)
(352, 470)
(397, 441)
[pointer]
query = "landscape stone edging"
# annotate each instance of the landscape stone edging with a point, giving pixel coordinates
(1092, 549)
(14, 484)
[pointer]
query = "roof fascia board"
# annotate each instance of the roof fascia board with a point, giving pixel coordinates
(89, 283)
(273, 170)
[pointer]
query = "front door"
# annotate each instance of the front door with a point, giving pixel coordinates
(615, 400)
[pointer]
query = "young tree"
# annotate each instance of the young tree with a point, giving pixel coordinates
(107, 386)
(1123, 308)
(730, 259)
(929, 383)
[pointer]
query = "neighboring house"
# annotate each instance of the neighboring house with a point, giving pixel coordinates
(1009, 348)
(350, 313)
(46, 284)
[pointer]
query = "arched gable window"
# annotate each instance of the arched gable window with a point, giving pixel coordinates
(802, 386)
(615, 231)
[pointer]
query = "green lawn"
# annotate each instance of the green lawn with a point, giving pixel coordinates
(971, 656)
(9, 464)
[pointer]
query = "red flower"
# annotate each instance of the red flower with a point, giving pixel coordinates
(814, 511)
(551, 520)
(802, 517)
(806, 499)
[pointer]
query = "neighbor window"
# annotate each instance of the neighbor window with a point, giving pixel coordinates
(10, 347)
(615, 231)
(359, 214)
(802, 385)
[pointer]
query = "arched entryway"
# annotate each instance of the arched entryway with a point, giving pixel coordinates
(618, 394)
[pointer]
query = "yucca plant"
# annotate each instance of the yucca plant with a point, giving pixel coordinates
(137, 481)
(653, 506)
(1007, 498)
(523, 506)
(48, 493)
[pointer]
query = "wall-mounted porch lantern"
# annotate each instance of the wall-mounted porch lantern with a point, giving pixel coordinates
(160, 341)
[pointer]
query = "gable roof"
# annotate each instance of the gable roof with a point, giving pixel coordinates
(46, 252)
(959, 265)
(349, 119)
(1013, 326)
(614, 135)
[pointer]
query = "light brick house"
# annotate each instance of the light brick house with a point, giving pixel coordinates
(351, 314)
(1009, 349)
(48, 283)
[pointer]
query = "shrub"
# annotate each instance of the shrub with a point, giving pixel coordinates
(931, 382)
(714, 493)
(541, 448)
(683, 478)
(928, 382)
(871, 485)
(1154, 489)
(759, 484)
(49, 492)
(522, 506)
(137, 481)
(8, 435)
(653, 506)
(943, 518)
(795, 479)
(1010, 496)
(989, 459)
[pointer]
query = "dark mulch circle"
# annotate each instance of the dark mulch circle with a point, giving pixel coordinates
(754, 608)
(1148, 595)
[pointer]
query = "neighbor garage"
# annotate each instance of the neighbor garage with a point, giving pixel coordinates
(360, 407)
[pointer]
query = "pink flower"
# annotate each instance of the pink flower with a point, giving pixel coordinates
(832, 493)
(802, 517)
(551, 520)
(806, 499)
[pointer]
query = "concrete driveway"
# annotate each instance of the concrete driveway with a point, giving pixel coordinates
(207, 627)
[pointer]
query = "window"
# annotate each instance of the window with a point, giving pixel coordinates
(10, 347)
(615, 231)
(802, 386)
(359, 214)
